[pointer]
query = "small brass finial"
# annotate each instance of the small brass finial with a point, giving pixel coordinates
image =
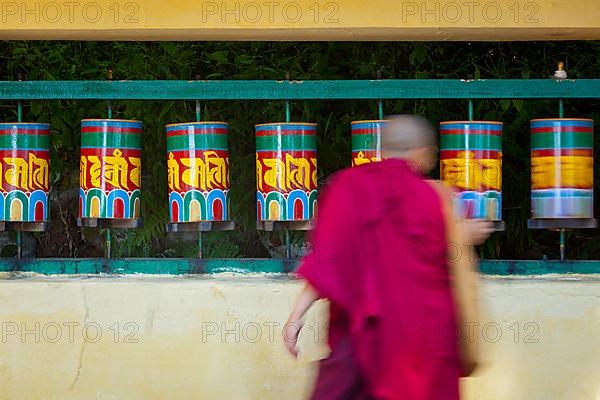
(560, 73)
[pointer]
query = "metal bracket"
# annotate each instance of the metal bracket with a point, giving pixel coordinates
(304, 225)
(110, 223)
(562, 223)
(499, 226)
(25, 226)
(200, 226)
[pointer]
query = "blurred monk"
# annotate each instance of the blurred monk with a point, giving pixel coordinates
(380, 256)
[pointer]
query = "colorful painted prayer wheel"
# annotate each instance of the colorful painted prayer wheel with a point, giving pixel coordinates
(471, 162)
(286, 171)
(562, 168)
(24, 171)
(198, 171)
(110, 169)
(366, 141)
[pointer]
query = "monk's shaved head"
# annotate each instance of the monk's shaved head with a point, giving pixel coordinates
(406, 132)
(411, 138)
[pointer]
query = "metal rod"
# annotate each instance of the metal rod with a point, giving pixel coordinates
(470, 113)
(470, 110)
(19, 234)
(109, 76)
(288, 118)
(561, 108)
(200, 244)
(288, 112)
(562, 244)
(380, 102)
(288, 244)
(109, 112)
(200, 233)
(19, 244)
(108, 244)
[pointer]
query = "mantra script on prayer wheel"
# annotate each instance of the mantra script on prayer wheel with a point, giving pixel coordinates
(198, 171)
(110, 169)
(366, 141)
(286, 171)
(24, 171)
(471, 162)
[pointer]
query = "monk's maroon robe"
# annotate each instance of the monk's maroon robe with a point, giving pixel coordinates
(379, 255)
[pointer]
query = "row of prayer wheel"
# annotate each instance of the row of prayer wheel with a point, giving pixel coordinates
(286, 169)
(562, 166)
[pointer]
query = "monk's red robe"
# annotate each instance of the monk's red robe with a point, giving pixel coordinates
(379, 255)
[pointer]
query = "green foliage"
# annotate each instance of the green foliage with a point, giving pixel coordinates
(255, 60)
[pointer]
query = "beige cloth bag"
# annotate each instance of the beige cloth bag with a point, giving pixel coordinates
(462, 264)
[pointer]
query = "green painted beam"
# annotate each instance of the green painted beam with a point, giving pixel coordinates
(302, 90)
(181, 266)
(169, 266)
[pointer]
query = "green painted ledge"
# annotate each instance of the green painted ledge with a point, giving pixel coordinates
(302, 90)
(181, 266)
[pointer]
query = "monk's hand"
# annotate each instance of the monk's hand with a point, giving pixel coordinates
(291, 331)
(476, 231)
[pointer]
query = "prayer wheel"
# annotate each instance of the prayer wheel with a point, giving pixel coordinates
(366, 141)
(562, 168)
(110, 170)
(471, 162)
(198, 171)
(286, 171)
(24, 171)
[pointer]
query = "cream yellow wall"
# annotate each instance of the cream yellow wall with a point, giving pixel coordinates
(300, 20)
(176, 349)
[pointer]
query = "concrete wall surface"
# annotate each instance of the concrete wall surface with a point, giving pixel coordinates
(219, 337)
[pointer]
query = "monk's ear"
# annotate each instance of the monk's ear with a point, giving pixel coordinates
(426, 157)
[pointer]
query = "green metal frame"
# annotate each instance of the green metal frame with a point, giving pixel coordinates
(302, 90)
(184, 266)
(380, 89)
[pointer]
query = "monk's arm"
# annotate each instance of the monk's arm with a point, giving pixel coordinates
(307, 297)
(325, 268)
